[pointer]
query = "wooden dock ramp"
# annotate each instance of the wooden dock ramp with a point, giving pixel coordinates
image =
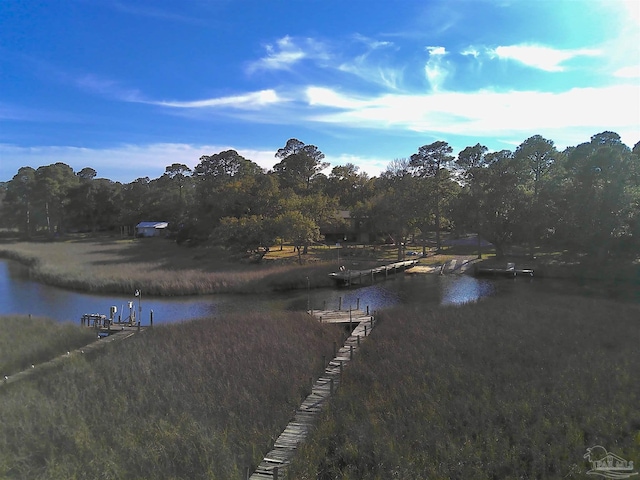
(350, 277)
(340, 316)
(275, 463)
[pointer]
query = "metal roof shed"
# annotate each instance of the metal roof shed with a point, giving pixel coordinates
(151, 229)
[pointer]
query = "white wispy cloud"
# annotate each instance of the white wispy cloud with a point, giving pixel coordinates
(286, 52)
(436, 69)
(373, 64)
(628, 72)
(471, 52)
(541, 57)
(251, 100)
(488, 113)
(106, 87)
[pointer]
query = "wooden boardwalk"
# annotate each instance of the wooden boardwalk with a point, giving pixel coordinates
(275, 463)
(349, 277)
(341, 316)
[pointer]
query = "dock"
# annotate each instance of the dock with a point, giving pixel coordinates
(341, 316)
(275, 462)
(349, 277)
(509, 271)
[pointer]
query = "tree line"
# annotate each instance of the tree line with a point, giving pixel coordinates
(585, 198)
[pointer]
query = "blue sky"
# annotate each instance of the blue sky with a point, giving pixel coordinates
(128, 87)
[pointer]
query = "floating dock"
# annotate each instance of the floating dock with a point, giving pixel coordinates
(341, 316)
(349, 277)
(509, 271)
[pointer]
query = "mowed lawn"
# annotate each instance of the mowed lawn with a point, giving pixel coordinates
(514, 387)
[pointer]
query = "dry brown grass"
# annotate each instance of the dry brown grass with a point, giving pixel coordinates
(160, 266)
(515, 387)
(195, 400)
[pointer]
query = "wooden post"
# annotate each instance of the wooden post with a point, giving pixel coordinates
(367, 309)
(151, 318)
(350, 327)
(358, 303)
(358, 340)
(365, 330)
(138, 325)
(275, 473)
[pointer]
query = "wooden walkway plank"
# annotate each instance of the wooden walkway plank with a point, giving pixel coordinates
(286, 445)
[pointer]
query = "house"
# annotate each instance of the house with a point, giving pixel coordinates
(345, 228)
(151, 229)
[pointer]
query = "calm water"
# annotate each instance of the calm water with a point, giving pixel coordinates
(20, 295)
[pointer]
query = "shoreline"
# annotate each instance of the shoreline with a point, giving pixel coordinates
(165, 270)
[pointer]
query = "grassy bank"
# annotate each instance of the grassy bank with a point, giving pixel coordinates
(200, 399)
(25, 341)
(157, 266)
(507, 388)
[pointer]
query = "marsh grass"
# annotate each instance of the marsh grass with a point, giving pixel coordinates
(506, 388)
(200, 399)
(25, 341)
(122, 266)
(160, 267)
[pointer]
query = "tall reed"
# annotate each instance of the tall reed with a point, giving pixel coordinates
(25, 341)
(194, 400)
(158, 266)
(507, 388)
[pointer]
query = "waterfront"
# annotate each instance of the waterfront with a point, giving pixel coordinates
(20, 295)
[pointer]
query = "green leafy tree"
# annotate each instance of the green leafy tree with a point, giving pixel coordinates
(222, 188)
(472, 161)
(538, 155)
(348, 185)
(20, 201)
(394, 209)
(135, 203)
(94, 203)
(432, 162)
(179, 176)
(299, 165)
(293, 226)
(502, 199)
(602, 194)
(252, 234)
(54, 183)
